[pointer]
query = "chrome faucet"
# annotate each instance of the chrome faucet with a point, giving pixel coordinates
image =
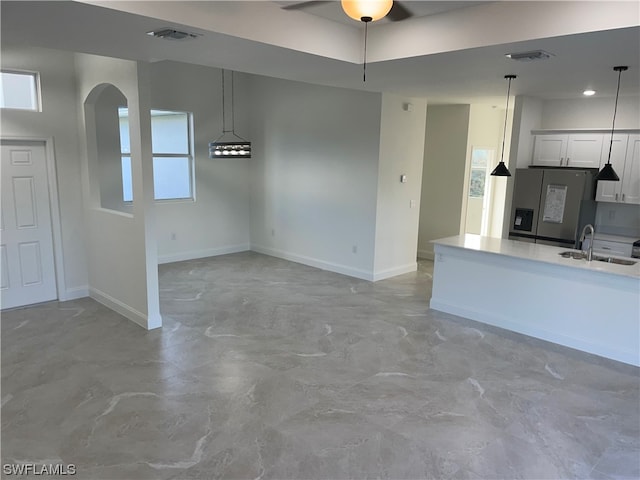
(589, 251)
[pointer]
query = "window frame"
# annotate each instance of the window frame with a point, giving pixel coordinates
(38, 90)
(189, 155)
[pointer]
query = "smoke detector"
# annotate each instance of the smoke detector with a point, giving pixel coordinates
(530, 56)
(171, 34)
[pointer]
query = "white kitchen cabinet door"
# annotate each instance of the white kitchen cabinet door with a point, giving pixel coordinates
(584, 150)
(550, 150)
(630, 191)
(611, 191)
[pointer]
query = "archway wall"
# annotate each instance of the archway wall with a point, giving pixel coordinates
(121, 248)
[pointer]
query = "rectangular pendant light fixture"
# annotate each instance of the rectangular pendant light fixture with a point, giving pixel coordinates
(241, 149)
(236, 147)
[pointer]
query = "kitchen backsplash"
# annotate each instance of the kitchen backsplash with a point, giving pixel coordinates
(618, 219)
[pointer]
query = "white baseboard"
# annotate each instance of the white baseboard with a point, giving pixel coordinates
(74, 293)
(208, 252)
(392, 272)
(426, 254)
(314, 262)
(123, 309)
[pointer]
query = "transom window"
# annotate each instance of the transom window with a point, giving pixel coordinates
(19, 90)
(172, 155)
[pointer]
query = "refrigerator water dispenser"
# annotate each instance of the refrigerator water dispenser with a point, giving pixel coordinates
(523, 219)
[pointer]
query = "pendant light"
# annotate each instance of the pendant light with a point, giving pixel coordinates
(236, 147)
(501, 169)
(608, 173)
(366, 11)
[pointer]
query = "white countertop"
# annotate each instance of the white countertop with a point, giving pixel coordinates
(536, 252)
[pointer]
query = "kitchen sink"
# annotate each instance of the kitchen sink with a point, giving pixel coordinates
(598, 258)
(572, 254)
(617, 261)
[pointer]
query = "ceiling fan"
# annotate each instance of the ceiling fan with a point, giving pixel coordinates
(397, 13)
(364, 11)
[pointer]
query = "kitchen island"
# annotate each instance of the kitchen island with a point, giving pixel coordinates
(531, 289)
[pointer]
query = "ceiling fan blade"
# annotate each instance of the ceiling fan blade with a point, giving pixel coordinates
(398, 12)
(303, 5)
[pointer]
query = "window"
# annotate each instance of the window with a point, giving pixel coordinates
(19, 90)
(172, 157)
(477, 180)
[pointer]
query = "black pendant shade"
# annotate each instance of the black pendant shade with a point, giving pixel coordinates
(608, 173)
(501, 169)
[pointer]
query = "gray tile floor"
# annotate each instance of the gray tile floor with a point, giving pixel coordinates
(270, 369)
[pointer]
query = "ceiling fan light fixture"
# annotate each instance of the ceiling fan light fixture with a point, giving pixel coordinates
(359, 9)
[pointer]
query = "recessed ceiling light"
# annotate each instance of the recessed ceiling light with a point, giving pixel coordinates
(589, 92)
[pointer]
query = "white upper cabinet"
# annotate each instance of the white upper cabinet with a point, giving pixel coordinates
(581, 150)
(625, 160)
(550, 150)
(584, 150)
(631, 173)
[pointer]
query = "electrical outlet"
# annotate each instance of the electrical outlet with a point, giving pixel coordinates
(354, 249)
(173, 236)
(412, 204)
(273, 232)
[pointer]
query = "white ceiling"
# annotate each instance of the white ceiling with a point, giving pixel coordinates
(456, 54)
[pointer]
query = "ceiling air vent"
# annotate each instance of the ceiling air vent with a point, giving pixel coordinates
(530, 56)
(171, 34)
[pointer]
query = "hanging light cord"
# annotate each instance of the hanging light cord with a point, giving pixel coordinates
(233, 108)
(224, 121)
(506, 113)
(366, 21)
(615, 111)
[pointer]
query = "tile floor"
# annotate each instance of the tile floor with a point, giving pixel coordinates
(267, 369)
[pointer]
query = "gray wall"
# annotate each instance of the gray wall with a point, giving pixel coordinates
(58, 120)
(443, 174)
(314, 175)
(397, 212)
(217, 221)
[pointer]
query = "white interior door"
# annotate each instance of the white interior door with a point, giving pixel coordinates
(26, 242)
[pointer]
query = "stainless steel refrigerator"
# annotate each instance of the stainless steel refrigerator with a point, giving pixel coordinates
(552, 205)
